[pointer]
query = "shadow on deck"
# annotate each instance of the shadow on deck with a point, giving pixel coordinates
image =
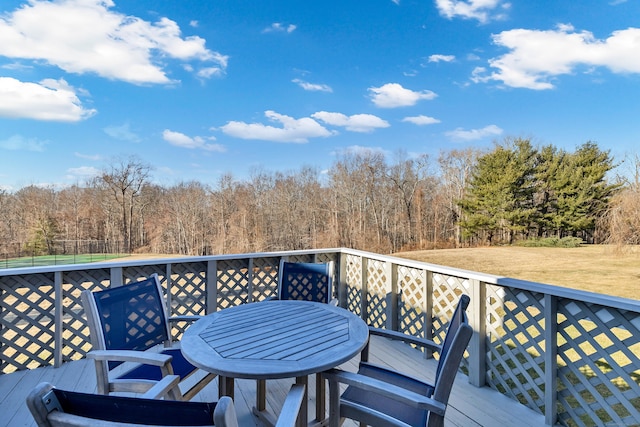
(468, 406)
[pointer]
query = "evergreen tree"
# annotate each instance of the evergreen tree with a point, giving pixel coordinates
(552, 177)
(585, 192)
(500, 197)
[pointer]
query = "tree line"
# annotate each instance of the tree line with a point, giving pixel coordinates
(366, 200)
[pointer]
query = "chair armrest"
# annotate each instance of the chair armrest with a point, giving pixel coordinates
(185, 318)
(385, 389)
(334, 301)
(163, 388)
(145, 357)
(292, 405)
(399, 336)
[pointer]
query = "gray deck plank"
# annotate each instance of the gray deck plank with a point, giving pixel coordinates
(468, 405)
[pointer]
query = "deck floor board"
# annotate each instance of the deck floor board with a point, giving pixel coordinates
(468, 406)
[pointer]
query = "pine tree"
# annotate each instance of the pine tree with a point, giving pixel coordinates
(499, 201)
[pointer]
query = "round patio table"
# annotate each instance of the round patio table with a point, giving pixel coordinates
(275, 339)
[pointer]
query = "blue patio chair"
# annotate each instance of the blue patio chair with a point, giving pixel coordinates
(380, 396)
(303, 281)
(130, 324)
(52, 407)
(306, 281)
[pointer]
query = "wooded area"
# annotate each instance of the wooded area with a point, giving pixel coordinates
(367, 201)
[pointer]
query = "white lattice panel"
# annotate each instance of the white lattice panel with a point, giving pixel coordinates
(233, 283)
(515, 363)
(378, 287)
(27, 321)
(354, 283)
(265, 278)
(599, 365)
(412, 288)
(76, 340)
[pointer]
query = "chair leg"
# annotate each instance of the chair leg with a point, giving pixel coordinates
(303, 419)
(334, 404)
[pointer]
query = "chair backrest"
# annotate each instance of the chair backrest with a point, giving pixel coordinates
(305, 281)
(129, 317)
(457, 320)
(52, 407)
(453, 348)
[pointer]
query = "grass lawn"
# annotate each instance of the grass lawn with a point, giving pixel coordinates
(594, 268)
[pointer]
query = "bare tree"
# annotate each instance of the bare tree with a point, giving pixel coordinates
(124, 179)
(407, 177)
(356, 179)
(39, 209)
(622, 219)
(455, 170)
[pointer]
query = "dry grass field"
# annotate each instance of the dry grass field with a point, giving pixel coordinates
(595, 268)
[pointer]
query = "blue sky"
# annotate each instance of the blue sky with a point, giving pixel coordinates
(199, 89)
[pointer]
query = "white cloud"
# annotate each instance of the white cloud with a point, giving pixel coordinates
(421, 120)
(312, 86)
(181, 140)
(392, 95)
(363, 123)
(360, 150)
(536, 57)
(88, 156)
(18, 142)
(122, 133)
(277, 27)
(441, 58)
(87, 36)
(473, 134)
(482, 10)
(209, 72)
(82, 172)
(16, 66)
(50, 100)
(292, 130)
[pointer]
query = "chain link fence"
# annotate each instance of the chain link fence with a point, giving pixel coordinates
(20, 254)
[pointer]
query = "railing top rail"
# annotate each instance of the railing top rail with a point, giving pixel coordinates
(543, 288)
(156, 261)
(553, 290)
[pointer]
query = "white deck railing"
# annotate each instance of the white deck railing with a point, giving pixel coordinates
(570, 355)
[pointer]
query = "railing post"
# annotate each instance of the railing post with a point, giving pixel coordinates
(250, 279)
(550, 359)
(364, 299)
(477, 346)
(167, 276)
(391, 271)
(428, 311)
(342, 281)
(115, 278)
(58, 316)
(211, 287)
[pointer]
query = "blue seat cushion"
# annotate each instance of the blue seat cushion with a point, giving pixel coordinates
(181, 367)
(135, 410)
(393, 408)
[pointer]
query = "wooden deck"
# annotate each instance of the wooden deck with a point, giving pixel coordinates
(468, 406)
